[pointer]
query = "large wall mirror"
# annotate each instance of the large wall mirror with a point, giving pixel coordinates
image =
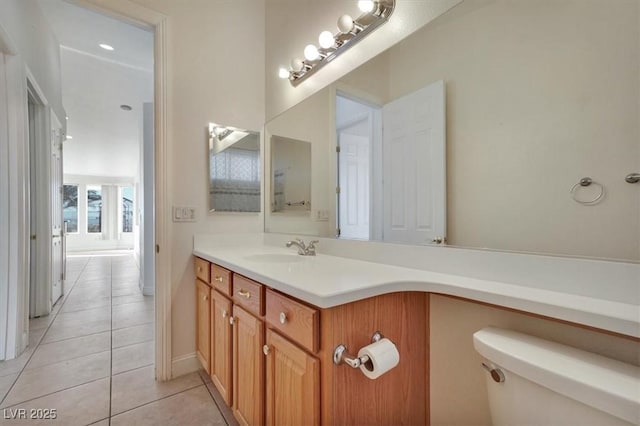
(535, 96)
(234, 169)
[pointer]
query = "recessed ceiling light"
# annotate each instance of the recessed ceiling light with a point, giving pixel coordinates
(106, 47)
(69, 137)
(126, 107)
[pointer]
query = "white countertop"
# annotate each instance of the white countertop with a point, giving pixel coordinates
(326, 281)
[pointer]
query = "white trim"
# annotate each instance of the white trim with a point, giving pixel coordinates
(184, 364)
(18, 235)
(147, 18)
(4, 209)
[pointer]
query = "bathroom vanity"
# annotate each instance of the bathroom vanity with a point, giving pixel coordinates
(270, 355)
(270, 319)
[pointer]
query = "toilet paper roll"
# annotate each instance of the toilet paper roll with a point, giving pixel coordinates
(383, 356)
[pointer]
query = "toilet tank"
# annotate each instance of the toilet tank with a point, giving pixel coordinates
(546, 383)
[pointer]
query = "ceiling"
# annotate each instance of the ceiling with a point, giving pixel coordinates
(95, 82)
(83, 30)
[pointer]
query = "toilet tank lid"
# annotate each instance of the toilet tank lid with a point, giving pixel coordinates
(606, 384)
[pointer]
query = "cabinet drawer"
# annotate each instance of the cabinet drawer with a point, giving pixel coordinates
(249, 294)
(202, 269)
(293, 319)
(221, 279)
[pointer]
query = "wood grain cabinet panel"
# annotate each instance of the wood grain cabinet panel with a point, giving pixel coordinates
(299, 322)
(248, 371)
(221, 279)
(221, 349)
(293, 384)
(202, 269)
(248, 294)
(203, 324)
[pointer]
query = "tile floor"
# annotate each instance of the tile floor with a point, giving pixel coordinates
(92, 358)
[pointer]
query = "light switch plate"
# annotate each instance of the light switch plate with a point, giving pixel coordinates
(184, 214)
(322, 215)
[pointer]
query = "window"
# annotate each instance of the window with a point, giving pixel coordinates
(70, 207)
(94, 209)
(127, 208)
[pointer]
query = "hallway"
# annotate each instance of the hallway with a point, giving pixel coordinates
(92, 359)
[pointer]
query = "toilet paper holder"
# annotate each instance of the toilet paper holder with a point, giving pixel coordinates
(341, 355)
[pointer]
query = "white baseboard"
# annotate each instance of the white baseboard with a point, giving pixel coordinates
(184, 364)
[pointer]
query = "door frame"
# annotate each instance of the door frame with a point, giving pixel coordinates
(39, 157)
(138, 15)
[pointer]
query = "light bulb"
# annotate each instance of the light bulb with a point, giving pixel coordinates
(367, 6)
(311, 52)
(326, 39)
(345, 24)
(283, 73)
(218, 130)
(297, 65)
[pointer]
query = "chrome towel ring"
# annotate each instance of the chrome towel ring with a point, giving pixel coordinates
(584, 182)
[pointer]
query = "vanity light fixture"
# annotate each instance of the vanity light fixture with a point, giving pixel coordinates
(350, 32)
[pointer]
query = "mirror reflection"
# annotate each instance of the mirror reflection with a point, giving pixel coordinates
(234, 169)
(538, 95)
(291, 174)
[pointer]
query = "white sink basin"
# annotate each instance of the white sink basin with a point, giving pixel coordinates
(275, 258)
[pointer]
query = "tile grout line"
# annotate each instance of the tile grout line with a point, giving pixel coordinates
(163, 398)
(55, 392)
(37, 344)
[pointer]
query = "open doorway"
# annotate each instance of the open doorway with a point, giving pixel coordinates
(107, 68)
(358, 135)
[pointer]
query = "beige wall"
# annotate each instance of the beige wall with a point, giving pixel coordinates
(539, 94)
(458, 392)
(216, 73)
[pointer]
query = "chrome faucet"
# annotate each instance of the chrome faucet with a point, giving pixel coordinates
(304, 250)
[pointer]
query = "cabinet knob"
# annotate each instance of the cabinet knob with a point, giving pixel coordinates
(283, 318)
(199, 269)
(224, 314)
(244, 293)
(218, 278)
(266, 350)
(205, 297)
(231, 320)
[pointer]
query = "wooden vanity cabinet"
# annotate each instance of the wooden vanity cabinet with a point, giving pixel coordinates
(221, 349)
(293, 384)
(271, 356)
(248, 371)
(203, 324)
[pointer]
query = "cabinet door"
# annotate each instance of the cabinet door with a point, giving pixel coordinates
(203, 324)
(293, 384)
(248, 371)
(221, 339)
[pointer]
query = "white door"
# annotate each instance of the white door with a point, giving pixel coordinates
(57, 254)
(354, 170)
(414, 167)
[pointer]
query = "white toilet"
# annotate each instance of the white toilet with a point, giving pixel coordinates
(532, 381)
